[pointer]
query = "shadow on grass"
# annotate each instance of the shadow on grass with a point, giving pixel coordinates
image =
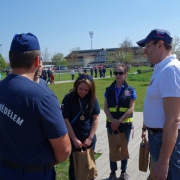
(144, 85)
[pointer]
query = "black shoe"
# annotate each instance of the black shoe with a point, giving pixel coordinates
(112, 176)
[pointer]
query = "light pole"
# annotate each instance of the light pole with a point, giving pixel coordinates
(91, 36)
(59, 68)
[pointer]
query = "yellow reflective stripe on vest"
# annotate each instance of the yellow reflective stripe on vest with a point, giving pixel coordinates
(121, 109)
(125, 121)
(128, 120)
(112, 109)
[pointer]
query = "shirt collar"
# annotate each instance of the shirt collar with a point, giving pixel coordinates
(165, 61)
(119, 88)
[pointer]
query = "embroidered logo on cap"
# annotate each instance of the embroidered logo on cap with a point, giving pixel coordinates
(160, 34)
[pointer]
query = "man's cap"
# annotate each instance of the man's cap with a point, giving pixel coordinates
(156, 34)
(24, 42)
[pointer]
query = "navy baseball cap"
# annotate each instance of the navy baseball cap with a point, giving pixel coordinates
(156, 34)
(24, 42)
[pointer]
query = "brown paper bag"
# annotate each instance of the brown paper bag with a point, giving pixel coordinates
(143, 157)
(84, 165)
(118, 147)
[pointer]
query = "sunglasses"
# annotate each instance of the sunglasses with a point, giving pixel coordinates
(120, 73)
(83, 76)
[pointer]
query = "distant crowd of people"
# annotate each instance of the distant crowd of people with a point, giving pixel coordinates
(92, 71)
(48, 75)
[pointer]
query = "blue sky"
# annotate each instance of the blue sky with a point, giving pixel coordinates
(62, 25)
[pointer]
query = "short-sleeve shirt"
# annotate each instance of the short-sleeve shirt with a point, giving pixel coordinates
(29, 117)
(71, 108)
(165, 82)
(118, 91)
(43, 82)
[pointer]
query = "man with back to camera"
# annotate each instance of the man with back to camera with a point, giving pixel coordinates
(37, 76)
(162, 105)
(33, 135)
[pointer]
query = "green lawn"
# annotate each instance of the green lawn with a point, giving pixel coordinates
(67, 76)
(138, 81)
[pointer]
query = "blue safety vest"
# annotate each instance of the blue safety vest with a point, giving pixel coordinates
(117, 110)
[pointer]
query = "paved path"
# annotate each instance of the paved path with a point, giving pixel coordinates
(102, 147)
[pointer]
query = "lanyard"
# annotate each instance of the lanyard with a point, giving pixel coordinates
(79, 112)
(82, 107)
(117, 93)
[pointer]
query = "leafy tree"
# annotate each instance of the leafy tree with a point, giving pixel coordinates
(125, 53)
(3, 63)
(120, 56)
(58, 60)
(176, 47)
(127, 43)
(128, 57)
(109, 57)
(140, 54)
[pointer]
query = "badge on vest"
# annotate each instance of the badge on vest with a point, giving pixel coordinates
(127, 93)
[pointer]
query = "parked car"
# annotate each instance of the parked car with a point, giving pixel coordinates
(107, 66)
(87, 67)
(61, 68)
(75, 67)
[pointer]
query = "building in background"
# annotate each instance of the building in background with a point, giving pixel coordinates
(95, 57)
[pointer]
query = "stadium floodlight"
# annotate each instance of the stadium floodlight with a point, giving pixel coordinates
(91, 36)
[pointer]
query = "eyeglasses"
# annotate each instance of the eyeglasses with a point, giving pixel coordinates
(120, 73)
(147, 45)
(84, 76)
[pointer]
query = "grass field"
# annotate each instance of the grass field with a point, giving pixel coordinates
(138, 81)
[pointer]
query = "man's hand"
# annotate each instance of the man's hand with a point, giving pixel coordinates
(160, 171)
(143, 135)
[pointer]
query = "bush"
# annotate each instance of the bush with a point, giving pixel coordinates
(140, 71)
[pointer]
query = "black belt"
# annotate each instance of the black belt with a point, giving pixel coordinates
(154, 130)
(27, 168)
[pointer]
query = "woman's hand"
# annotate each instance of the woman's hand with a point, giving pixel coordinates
(77, 143)
(115, 125)
(87, 142)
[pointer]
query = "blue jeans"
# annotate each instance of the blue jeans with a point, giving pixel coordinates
(155, 141)
(127, 130)
(8, 174)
